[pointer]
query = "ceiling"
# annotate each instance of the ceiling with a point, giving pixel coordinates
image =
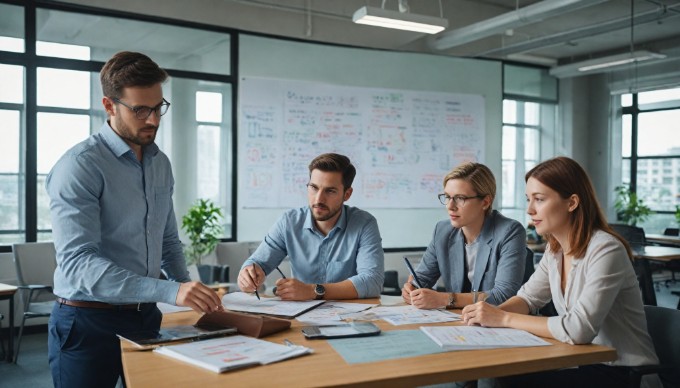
(574, 30)
(595, 28)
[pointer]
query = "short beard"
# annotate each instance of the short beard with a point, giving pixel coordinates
(327, 217)
(125, 132)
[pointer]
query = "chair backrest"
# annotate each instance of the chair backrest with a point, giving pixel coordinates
(671, 232)
(663, 324)
(528, 265)
(35, 263)
(233, 254)
(633, 234)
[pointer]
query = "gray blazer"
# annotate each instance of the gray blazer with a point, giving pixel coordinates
(499, 268)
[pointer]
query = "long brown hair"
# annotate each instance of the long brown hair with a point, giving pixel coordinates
(568, 178)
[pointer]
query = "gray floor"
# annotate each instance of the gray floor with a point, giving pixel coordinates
(33, 371)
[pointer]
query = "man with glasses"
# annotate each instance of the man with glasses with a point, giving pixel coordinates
(478, 253)
(335, 250)
(114, 230)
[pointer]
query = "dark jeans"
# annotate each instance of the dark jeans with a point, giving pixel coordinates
(83, 348)
(597, 375)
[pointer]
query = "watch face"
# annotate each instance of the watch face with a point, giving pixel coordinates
(320, 289)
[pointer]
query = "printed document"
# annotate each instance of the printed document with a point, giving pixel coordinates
(224, 354)
(330, 312)
(477, 337)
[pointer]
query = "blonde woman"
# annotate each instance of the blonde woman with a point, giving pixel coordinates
(477, 251)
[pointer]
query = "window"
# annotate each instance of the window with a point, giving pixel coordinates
(652, 167)
(520, 153)
(529, 110)
(196, 134)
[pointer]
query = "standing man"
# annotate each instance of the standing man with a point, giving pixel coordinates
(335, 250)
(114, 230)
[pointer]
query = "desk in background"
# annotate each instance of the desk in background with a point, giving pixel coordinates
(7, 293)
(326, 367)
(663, 239)
(642, 257)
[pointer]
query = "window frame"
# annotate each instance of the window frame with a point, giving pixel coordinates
(31, 62)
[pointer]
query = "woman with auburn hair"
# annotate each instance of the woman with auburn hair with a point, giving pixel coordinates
(476, 251)
(587, 273)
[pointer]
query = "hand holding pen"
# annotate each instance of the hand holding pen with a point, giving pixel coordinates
(250, 278)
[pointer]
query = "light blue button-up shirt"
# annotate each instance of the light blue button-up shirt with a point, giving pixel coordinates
(113, 223)
(351, 250)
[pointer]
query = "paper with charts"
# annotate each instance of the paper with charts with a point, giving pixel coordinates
(240, 301)
(476, 337)
(331, 312)
(404, 315)
(224, 354)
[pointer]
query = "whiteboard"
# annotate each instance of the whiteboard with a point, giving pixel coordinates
(334, 66)
(402, 142)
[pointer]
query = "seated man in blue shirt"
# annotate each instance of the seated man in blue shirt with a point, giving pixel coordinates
(114, 230)
(335, 250)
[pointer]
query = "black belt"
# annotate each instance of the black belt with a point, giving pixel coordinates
(101, 305)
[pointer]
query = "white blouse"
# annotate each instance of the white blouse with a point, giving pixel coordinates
(601, 303)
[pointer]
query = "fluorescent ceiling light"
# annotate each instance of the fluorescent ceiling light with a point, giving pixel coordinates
(600, 65)
(400, 20)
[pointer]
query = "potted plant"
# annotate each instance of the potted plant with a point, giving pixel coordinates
(629, 208)
(202, 225)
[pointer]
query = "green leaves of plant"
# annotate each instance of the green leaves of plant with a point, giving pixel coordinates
(202, 225)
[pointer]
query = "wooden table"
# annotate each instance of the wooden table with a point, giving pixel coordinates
(325, 367)
(663, 239)
(643, 256)
(7, 293)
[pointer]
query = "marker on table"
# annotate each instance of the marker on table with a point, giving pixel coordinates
(413, 273)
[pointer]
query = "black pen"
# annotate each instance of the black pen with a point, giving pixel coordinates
(413, 273)
(282, 275)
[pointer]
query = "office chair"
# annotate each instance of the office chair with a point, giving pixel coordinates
(35, 264)
(391, 283)
(662, 324)
(671, 232)
(2, 343)
(528, 265)
(633, 234)
(672, 266)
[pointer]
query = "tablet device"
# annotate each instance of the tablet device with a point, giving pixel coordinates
(354, 329)
(149, 339)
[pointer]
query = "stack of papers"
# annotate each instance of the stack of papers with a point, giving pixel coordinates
(240, 301)
(476, 337)
(224, 354)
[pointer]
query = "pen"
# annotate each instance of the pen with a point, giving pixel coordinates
(257, 294)
(413, 273)
(474, 296)
(282, 275)
(287, 342)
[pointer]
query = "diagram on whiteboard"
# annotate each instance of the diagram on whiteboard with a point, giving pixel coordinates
(402, 142)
